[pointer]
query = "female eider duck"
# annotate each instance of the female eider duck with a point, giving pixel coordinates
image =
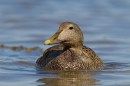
(70, 54)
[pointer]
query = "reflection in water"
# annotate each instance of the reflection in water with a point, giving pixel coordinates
(70, 78)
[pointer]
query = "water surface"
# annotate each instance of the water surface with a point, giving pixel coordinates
(105, 25)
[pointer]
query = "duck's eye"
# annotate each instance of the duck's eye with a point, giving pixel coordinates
(70, 28)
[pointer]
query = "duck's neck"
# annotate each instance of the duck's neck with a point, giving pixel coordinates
(77, 49)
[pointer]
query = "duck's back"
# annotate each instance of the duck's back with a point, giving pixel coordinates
(54, 58)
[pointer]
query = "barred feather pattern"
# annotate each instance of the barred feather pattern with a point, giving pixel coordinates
(54, 58)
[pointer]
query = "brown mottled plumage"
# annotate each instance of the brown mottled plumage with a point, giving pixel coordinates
(70, 54)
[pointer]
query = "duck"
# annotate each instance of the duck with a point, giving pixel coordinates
(69, 53)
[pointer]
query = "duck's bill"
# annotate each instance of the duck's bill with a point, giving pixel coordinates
(52, 40)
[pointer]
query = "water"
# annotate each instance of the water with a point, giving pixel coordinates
(105, 24)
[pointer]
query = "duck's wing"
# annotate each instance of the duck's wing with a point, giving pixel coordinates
(49, 54)
(94, 60)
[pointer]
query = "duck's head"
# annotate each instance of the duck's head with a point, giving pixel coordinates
(68, 34)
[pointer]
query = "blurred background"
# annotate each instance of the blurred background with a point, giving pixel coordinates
(27, 23)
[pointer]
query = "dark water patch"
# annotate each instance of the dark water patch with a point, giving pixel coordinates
(117, 66)
(19, 48)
